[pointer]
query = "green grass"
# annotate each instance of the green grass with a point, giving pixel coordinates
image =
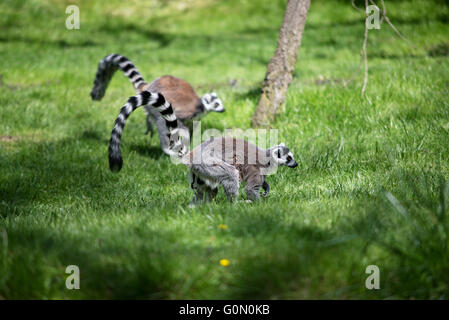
(370, 187)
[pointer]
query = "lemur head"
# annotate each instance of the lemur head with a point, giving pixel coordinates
(281, 155)
(212, 103)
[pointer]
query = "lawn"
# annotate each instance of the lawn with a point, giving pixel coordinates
(370, 189)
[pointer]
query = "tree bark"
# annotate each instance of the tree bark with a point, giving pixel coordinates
(282, 64)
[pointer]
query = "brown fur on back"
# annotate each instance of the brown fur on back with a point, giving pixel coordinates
(238, 158)
(178, 92)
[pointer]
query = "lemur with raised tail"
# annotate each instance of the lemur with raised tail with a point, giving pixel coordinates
(228, 161)
(217, 161)
(181, 95)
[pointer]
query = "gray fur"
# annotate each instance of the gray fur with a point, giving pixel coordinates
(228, 162)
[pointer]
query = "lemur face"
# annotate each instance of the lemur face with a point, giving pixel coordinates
(282, 156)
(212, 103)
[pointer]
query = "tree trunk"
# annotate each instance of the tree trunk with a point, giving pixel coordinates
(282, 64)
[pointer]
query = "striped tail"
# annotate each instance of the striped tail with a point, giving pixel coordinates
(106, 69)
(145, 98)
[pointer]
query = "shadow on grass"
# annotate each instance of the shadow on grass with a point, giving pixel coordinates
(110, 266)
(408, 235)
(252, 94)
(42, 172)
(412, 225)
(93, 135)
(153, 152)
(439, 50)
(275, 260)
(391, 56)
(44, 41)
(294, 261)
(163, 39)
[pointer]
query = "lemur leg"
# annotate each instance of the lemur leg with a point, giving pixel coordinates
(266, 188)
(151, 119)
(231, 188)
(149, 125)
(164, 136)
(219, 172)
(203, 192)
(253, 185)
(184, 134)
(154, 118)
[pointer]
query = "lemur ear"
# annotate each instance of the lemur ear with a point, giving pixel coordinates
(282, 144)
(213, 94)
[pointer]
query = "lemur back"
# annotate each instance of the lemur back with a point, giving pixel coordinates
(183, 98)
(186, 104)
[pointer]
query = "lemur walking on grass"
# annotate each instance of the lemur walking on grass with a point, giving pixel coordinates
(181, 95)
(217, 161)
(228, 161)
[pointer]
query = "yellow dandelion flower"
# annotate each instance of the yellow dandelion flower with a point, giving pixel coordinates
(223, 226)
(224, 262)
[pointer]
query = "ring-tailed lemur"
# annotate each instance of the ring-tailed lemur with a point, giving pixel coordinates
(217, 161)
(181, 95)
(228, 161)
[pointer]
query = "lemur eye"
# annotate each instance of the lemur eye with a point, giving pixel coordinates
(289, 158)
(216, 104)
